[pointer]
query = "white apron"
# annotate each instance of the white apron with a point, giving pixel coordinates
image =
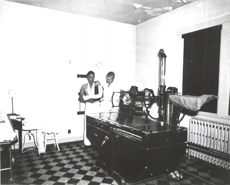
(90, 108)
(107, 104)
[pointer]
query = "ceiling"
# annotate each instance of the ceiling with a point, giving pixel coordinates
(125, 11)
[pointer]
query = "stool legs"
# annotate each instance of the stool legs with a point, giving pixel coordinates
(56, 142)
(52, 137)
(30, 134)
(45, 141)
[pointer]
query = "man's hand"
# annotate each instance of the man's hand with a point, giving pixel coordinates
(97, 83)
(101, 100)
(91, 100)
(80, 99)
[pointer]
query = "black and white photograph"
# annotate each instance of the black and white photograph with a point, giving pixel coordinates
(114, 92)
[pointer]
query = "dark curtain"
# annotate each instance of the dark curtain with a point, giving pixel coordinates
(201, 64)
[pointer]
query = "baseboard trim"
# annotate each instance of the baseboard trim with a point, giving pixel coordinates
(60, 140)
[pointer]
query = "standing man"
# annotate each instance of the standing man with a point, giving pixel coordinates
(90, 94)
(108, 96)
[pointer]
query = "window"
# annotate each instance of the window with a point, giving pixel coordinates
(201, 64)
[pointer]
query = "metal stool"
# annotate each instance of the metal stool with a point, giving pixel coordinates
(30, 134)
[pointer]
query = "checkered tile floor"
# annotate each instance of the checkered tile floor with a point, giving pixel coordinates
(75, 164)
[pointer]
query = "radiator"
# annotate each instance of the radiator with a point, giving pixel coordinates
(209, 141)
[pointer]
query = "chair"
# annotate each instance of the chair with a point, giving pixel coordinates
(17, 123)
(50, 135)
(32, 130)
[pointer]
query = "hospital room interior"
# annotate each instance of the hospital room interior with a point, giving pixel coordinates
(169, 116)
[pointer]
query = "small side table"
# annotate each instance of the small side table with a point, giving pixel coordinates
(7, 158)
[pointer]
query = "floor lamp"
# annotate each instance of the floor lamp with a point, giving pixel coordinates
(12, 93)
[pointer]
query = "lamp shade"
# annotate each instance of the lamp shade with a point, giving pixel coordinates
(12, 92)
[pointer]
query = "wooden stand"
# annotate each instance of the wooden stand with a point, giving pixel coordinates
(6, 161)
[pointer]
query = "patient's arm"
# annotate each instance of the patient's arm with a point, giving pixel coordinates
(95, 96)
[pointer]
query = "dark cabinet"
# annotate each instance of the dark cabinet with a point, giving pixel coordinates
(105, 142)
(136, 163)
(136, 153)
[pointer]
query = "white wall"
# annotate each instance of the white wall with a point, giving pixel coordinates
(42, 51)
(165, 32)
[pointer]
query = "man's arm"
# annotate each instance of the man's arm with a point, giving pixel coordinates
(96, 96)
(82, 90)
(82, 95)
(92, 98)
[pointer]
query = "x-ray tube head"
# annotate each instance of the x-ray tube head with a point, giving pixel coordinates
(162, 57)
